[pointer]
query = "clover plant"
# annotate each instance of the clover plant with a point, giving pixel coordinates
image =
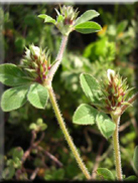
(31, 81)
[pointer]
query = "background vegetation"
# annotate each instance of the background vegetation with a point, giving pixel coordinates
(43, 153)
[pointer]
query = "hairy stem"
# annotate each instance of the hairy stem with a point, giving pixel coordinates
(117, 155)
(58, 58)
(66, 134)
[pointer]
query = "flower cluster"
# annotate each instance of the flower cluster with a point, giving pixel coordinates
(115, 91)
(66, 19)
(37, 63)
(69, 14)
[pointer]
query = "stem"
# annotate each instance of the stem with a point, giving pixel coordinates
(58, 58)
(66, 134)
(117, 155)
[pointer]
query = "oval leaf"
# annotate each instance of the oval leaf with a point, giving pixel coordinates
(90, 87)
(8, 173)
(14, 98)
(88, 27)
(131, 178)
(17, 153)
(88, 15)
(38, 96)
(47, 19)
(105, 125)
(85, 115)
(105, 174)
(11, 75)
(122, 26)
(135, 158)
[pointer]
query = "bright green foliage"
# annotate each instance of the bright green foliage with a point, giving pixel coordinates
(14, 98)
(47, 19)
(90, 87)
(105, 174)
(88, 15)
(135, 158)
(131, 178)
(85, 115)
(101, 50)
(11, 75)
(105, 125)
(33, 126)
(88, 27)
(38, 95)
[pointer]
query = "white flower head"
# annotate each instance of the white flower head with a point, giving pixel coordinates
(33, 50)
(110, 74)
(36, 50)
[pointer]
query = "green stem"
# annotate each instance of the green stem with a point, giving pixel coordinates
(66, 133)
(117, 155)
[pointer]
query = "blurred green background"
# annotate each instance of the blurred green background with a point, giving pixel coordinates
(114, 47)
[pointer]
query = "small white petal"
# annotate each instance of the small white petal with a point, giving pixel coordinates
(110, 73)
(27, 53)
(36, 50)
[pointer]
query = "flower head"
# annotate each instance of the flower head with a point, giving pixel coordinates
(115, 92)
(69, 14)
(37, 63)
(66, 18)
(32, 51)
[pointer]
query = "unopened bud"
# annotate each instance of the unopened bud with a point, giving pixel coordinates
(110, 74)
(37, 60)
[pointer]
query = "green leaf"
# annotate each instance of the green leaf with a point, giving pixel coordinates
(122, 26)
(14, 98)
(88, 15)
(11, 75)
(10, 162)
(105, 125)
(43, 16)
(88, 27)
(105, 174)
(90, 87)
(17, 162)
(43, 127)
(60, 18)
(135, 158)
(33, 126)
(85, 115)
(8, 173)
(131, 178)
(47, 19)
(17, 153)
(39, 121)
(38, 96)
